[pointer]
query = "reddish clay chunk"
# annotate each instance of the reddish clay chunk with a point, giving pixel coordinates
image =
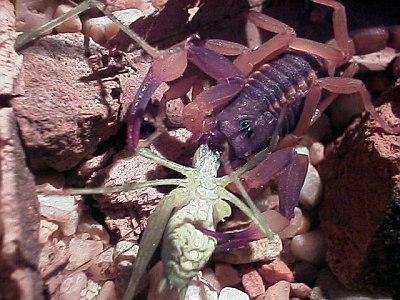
(361, 207)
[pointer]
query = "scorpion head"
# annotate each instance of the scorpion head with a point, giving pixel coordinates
(245, 129)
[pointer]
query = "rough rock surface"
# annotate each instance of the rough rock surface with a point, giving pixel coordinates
(11, 62)
(62, 117)
(361, 207)
(19, 217)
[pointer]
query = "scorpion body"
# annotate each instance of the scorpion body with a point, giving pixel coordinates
(247, 122)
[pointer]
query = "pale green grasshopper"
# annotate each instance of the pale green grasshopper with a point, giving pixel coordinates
(200, 200)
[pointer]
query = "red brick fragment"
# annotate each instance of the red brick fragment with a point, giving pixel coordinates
(252, 281)
(275, 271)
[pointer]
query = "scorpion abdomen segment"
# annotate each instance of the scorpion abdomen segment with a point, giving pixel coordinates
(283, 81)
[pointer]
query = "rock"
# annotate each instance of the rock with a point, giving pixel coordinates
(300, 290)
(107, 291)
(311, 192)
(305, 272)
(330, 288)
(297, 225)
(46, 230)
(229, 293)
(359, 214)
(275, 271)
(252, 281)
(72, 25)
(260, 250)
(211, 278)
(102, 266)
(227, 275)
(72, 286)
(82, 252)
(19, 217)
(63, 210)
(33, 13)
(11, 79)
(200, 288)
(278, 291)
(102, 29)
(317, 154)
(309, 247)
(61, 118)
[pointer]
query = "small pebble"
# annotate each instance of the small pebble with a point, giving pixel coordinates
(82, 252)
(92, 290)
(96, 231)
(46, 230)
(278, 291)
(229, 293)
(311, 192)
(102, 266)
(275, 271)
(73, 24)
(298, 225)
(209, 275)
(317, 153)
(305, 272)
(309, 247)
(72, 286)
(200, 288)
(260, 250)
(227, 275)
(252, 281)
(102, 29)
(107, 291)
(125, 250)
(300, 290)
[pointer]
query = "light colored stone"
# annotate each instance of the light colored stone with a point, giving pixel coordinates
(278, 291)
(102, 29)
(62, 209)
(298, 225)
(46, 230)
(73, 24)
(107, 291)
(229, 293)
(200, 288)
(311, 192)
(317, 153)
(125, 250)
(96, 231)
(260, 250)
(210, 276)
(33, 13)
(91, 291)
(102, 266)
(309, 247)
(72, 286)
(82, 252)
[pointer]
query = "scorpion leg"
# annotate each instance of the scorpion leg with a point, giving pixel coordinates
(166, 69)
(341, 85)
(248, 58)
(290, 168)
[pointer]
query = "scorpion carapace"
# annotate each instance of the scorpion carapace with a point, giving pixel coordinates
(250, 118)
